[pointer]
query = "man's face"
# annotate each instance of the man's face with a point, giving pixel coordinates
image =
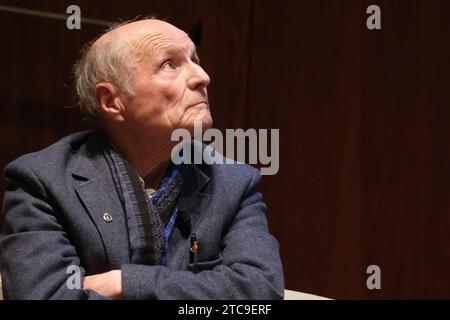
(168, 82)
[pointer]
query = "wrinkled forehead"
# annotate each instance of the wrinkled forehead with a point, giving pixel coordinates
(153, 43)
(149, 38)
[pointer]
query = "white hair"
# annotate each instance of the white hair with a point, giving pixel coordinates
(112, 61)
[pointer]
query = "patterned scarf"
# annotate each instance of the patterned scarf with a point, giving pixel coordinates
(145, 219)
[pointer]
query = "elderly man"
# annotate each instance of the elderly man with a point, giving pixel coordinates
(111, 203)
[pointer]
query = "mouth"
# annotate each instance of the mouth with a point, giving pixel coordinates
(199, 103)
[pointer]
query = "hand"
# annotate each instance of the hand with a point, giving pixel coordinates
(108, 284)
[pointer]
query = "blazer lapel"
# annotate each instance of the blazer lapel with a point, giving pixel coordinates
(95, 187)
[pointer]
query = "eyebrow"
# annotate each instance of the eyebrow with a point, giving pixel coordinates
(176, 50)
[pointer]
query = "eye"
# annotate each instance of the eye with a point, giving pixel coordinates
(168, 65)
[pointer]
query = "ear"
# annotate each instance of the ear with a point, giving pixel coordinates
(110, 101)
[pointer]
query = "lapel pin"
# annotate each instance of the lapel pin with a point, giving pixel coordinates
(107, 217)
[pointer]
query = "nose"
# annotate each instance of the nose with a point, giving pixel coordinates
(198, 77)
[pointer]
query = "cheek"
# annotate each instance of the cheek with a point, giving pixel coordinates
(159, 100)
(165, 96)
(157, 96)
(173, 91)
(173, 95)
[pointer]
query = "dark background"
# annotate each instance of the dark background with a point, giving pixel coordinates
(363, 116)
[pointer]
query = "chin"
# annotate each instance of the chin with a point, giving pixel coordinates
(206, 123)
(205, 118)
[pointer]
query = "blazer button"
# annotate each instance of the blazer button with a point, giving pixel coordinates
(107, 217)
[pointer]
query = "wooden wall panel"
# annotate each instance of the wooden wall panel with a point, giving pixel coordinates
(405, 149)
(305, 81)
(364, 127)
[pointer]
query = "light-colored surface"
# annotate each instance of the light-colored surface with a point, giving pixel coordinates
(296, 295)
(288, 295)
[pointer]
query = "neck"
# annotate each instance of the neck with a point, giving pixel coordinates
(150, 156)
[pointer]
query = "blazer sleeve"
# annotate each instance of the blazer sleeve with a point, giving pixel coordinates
(35, 252)
(251, 265)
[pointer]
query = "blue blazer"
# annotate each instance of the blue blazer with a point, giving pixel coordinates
(53, 217)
